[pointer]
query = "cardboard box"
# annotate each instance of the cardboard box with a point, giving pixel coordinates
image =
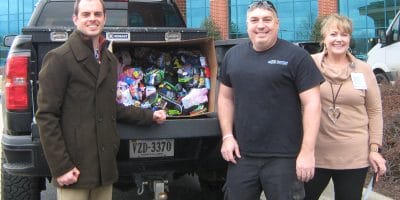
(204, 45)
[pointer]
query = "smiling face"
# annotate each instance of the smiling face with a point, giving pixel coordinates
(337, 41)
(90, 18)
(336, 34)
(262, 28)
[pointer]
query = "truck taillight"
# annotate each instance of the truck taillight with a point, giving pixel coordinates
(16, 85)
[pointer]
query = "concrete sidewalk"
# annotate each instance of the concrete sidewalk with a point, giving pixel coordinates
(329, 194)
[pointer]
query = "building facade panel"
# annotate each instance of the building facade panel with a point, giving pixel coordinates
(219, 14)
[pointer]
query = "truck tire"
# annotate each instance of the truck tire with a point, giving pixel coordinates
(20, 187)
(381, 78)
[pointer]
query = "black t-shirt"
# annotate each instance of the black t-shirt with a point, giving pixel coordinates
(266, 87)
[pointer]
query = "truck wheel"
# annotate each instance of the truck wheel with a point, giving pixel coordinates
(19, 187)
(381, 78)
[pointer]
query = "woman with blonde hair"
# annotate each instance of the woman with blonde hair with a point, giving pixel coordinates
(351, 126)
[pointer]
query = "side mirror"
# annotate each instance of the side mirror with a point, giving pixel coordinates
(382, 36)
(8, 40)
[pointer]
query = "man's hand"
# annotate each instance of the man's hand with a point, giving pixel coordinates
(305, 166)
(69, 178)
(230, 149)
(159, 116)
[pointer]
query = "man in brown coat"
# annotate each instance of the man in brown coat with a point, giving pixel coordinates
(77, 109)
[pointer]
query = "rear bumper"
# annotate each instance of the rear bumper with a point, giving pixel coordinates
(24, 156)
(197, 143)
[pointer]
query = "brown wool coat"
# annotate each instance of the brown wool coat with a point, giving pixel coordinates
(77, 113)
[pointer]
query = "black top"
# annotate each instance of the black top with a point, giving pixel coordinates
(266, 86)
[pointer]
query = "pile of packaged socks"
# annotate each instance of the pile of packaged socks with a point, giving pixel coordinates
(175, 80)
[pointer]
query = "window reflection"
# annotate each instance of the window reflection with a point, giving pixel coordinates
(369, 18)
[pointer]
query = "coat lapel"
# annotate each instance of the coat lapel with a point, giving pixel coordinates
(83, 54)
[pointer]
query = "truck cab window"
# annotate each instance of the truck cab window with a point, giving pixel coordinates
(117, 18)
(153, 15)
(119, 14)
(135, 19)
(54, 16)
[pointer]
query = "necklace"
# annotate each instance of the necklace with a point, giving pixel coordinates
(333, 111)
(338, 77)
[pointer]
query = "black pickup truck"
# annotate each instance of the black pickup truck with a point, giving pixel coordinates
(193, 142)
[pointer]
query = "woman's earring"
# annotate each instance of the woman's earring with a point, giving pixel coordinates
(349, 50)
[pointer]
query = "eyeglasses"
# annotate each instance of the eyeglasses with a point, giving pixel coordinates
(262, 4)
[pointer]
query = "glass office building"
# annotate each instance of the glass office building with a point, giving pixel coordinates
(369, 18)
(14, 14)
(197, 12)
(297, 18)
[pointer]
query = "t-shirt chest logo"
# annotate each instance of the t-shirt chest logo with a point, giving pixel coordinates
(277, 62)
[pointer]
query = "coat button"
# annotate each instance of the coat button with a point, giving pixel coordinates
(100, 119)
(102, 148)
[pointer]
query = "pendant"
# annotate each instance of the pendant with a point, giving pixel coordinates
(334, 114)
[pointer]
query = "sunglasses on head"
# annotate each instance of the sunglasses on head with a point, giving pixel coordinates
(262, 4)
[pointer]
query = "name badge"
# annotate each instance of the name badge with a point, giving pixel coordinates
(358, 81)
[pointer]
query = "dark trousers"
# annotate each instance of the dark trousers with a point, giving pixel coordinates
(276, 176)
(348, 184)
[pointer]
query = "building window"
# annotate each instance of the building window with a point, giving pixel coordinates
(296, 18)
(369, 18)
(196, 12)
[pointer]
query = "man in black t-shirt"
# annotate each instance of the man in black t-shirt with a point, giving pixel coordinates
(268, 139)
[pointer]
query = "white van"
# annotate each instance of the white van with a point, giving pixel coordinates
(384, 57)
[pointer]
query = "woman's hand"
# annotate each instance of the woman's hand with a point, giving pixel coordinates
(378, 163)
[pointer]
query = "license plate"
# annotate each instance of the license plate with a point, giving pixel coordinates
(151, 148)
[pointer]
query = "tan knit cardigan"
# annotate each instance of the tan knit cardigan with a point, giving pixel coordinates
(345, 144)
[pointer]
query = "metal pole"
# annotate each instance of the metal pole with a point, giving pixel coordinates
(8, 16)
(23, 13)
(18, 15)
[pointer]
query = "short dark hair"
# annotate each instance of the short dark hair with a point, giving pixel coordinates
(77, 2)
(264, 4)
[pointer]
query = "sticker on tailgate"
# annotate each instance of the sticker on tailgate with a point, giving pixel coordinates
(118, 36)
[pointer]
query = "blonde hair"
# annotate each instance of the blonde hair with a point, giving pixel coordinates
(342, 23)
